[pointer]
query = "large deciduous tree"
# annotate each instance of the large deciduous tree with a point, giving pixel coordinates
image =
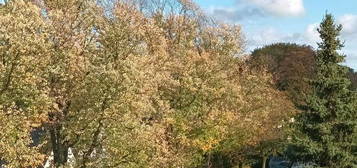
(292, 66)
(126, 84)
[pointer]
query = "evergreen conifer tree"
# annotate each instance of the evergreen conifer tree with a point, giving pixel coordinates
(326, 129)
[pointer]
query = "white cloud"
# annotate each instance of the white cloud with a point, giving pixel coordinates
(280, 7)
(264, 37)
(234, 14)
(248, 9)
(270, 35)
(349, 35)
(351, 59)
(311, 35)
(349, 23)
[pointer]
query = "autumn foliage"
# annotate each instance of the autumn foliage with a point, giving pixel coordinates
(128, 84)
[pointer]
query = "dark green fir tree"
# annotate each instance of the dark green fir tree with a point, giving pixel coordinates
(326, 132)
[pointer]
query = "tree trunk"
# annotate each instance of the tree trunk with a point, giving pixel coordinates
(60, 150)
(94, 144)
(264, 161)
(59, 146)
(240, 165)
(209, 160)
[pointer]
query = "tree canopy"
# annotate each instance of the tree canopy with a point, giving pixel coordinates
(127, 84)
(158, 84)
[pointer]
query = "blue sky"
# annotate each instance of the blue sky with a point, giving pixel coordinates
(269, 21)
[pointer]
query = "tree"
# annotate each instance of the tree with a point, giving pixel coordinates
(326, 130)
(58, 74)
(292, 65)
(126, 85)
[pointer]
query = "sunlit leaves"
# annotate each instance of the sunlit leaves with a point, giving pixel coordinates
(127, 86)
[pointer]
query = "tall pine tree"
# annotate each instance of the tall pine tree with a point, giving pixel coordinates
(326, 131)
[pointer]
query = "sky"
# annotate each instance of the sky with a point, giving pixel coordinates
(270, 21)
